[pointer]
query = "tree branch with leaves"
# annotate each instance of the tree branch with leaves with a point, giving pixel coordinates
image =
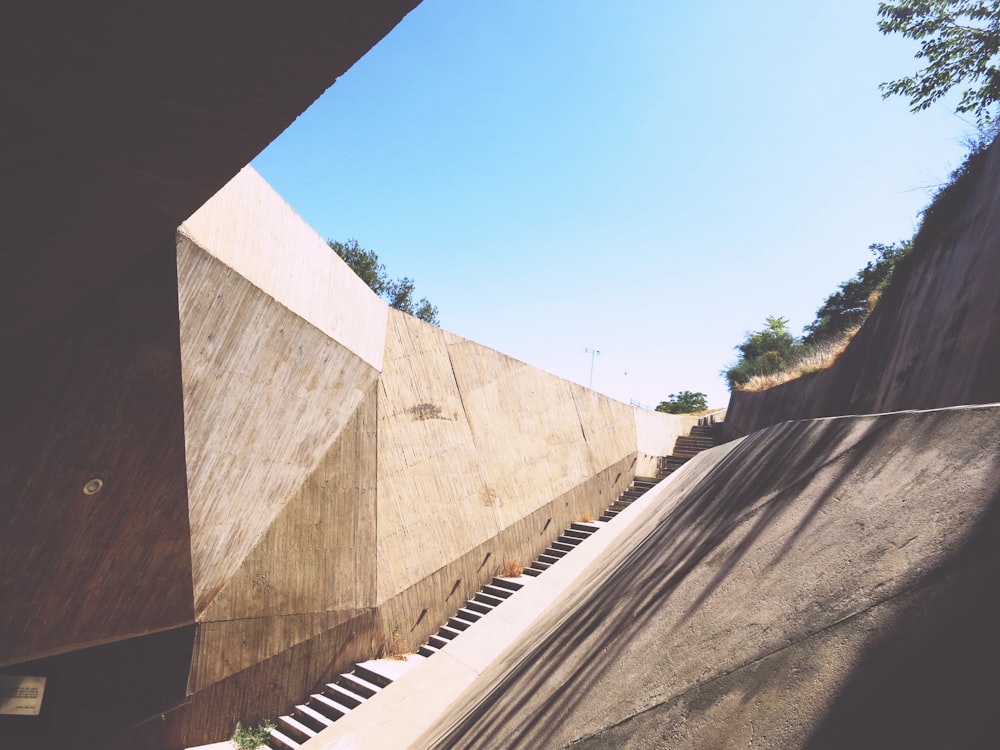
(959, 40)
(398, 293)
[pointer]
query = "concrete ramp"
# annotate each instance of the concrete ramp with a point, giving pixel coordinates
(820, 584)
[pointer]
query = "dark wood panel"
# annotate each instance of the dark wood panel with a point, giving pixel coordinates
(97, 397)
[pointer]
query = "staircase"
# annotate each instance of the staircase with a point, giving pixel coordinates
(349, 690)
(702, 438)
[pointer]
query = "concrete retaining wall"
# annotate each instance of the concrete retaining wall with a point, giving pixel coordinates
(355, 473)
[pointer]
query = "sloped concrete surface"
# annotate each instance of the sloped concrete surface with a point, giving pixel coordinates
(819, 584)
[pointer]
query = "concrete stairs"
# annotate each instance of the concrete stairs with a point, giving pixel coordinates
(350, 690)
(686, 447)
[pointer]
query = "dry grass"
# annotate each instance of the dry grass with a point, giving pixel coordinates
(587, 518)
(510, 569)
(395, 646)
(821, 357)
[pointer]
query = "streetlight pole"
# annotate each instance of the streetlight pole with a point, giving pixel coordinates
(592, 353)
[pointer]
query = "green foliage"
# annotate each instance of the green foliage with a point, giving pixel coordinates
(849, 306)
(684, 402)
(959, 39)
(250, 738)
(363, 262)
(763, 352)
(951, 197)
(774, 337)
(398, 293)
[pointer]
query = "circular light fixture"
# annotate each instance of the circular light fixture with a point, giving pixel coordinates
(93, 487)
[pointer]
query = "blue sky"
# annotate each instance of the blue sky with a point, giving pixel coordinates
(644, 178)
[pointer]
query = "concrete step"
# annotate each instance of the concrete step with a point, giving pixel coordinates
(437, 642)
(674, 461)
(689, 448)
(282, 740)
(507, 583)
(497, 591)
(344, 697)
(327, 706)
(696, 439)
(426, 651)
(548, 559)
(572, 540)
(587, 528)
(714, 432)
(450, 633)
(468, 615)
(687, 452)
(532, 572)
(314, 718)
(456, 623)
(292, 727)
(477, 606)
(368, 673)
(553, 552)
(490, 601)
(562, 546)
(357, 685)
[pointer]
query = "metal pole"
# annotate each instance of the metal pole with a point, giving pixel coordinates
(593, 353)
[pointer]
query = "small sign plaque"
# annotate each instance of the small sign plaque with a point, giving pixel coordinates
(21, 695)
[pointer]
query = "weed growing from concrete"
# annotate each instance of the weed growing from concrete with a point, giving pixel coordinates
(510, 569)
(250, 738)
(395, 647)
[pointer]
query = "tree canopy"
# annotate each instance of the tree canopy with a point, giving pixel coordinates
(850, 305)
(684, 402)
(398, 293)
(959, 40)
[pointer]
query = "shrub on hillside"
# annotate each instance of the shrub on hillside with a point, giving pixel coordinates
(762, 352)
(685, 402)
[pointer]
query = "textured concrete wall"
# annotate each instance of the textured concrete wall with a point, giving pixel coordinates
(280, 436)
(471, 443)
(934, 338)
(251, 230)
(266, 397)
(352, 472)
